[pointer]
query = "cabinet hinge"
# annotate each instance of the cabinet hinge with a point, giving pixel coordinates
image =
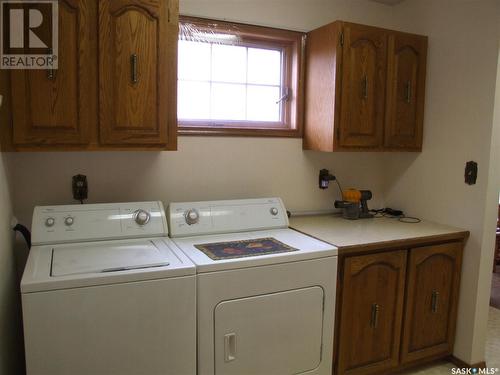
(342, 39)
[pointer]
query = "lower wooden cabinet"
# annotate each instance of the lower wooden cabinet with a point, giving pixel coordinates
(372, 308)
(396, 308)
(431, 301)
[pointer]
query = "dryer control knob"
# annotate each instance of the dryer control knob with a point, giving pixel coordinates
(50, 221)
(141, 217)
(274, 211)
(192, 216)
(69, 221)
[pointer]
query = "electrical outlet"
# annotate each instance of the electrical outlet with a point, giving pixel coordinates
(324, 178)
(80, 187)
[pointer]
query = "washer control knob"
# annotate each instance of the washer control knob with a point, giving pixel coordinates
(274, 211)
(50, 221)
(141, 217)
(192, 216)
(69, 221)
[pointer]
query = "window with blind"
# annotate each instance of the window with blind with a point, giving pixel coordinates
(238, 79)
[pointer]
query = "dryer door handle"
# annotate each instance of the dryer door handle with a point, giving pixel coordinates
(230, 347)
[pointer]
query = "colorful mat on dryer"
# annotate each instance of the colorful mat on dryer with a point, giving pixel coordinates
(244, 248)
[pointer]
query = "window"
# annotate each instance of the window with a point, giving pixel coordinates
(238, 79)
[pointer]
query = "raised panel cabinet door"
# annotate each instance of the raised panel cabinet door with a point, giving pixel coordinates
(405, 91)
(138, 72)
(322, 87)
(59, 106)
(364, 68)
(431, 301)
(371, 312)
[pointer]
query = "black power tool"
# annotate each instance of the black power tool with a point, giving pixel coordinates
(354, 204)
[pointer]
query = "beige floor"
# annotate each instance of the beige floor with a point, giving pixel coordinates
(492, 350)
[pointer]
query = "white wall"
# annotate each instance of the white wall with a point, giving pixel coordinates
(203, 168)
(10, 337)
(462, 66)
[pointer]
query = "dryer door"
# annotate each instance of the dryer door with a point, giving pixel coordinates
(277, 333)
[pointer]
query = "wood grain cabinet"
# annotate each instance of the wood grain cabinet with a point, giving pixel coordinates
(364, 72)
(431, 301)
(364, 89)
(137, 70)
(397, 308)
(371, 316)
(405, 91)
(116, 84)
(58, 107)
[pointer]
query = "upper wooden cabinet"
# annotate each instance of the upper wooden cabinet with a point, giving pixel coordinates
(364, 89)
(58, 107)
(120, 95)
(431, 301)
(137, 70)
(405, 91)
(364, 70)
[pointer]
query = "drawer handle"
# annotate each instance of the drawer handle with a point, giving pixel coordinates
(230, 347)
(374, 315)
(435, 301)
(50, 72)
(133, 68)
(408, 92)
(364, 87)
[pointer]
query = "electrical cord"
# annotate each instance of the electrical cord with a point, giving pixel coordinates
(409, 219)
(340, 188)
(394, 214)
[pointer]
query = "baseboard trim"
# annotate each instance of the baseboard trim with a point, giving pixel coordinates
(459, 363)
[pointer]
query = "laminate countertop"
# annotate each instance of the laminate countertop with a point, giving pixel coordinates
(376, 233)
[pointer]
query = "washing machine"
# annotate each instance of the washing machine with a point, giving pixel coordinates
(105, 292)
(265, 292)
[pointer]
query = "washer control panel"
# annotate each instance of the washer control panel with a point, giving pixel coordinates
(196, 218)
(92, 222)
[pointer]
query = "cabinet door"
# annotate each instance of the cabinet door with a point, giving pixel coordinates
(322, 87)
(138, 72)
(364, 69)
(371, 312)
(59, 107)
(405, 91)
(431, 302)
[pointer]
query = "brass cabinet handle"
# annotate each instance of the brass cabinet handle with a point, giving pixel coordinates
(374, 315)
(434, 301)
(133, 68)
(364, 87)
(50, 72)
(408, 92)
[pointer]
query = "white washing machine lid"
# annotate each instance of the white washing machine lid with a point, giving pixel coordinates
(85, 258)
(65, 266)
